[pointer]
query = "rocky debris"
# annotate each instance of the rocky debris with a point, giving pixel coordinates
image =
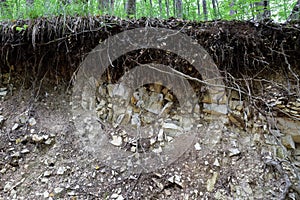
(234, 152)
(197, 146)
(32, 121)
(142, 107)
(2, 119)
(61, 170)
(289, 126)
(151, 108)
(288, 142)
(15, 126)
(222, 162)
(286, 110)
(58, 190)
(3, 92)
(284, 106)
(47, 173)
(177, 180)
(212, 181)
(116, 140)
(216, 163)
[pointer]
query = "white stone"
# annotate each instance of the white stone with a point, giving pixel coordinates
(15, 126)
(187, 123)
(3, 93)
(177, 180)
(234, 152)
(152, 141)
(154, 104)
(216, 163)
(61, 170)
(8, 186)
(212, 181)
(120, 90)
(135, 120)
(47, 173)
(48, 142)
(160, 136)
(197, 146)
(157, 150)
(58, 190)
(17, 154)
(72, 193)
(44, 180)
(46, 194)
(37, 138)
(32, 122)
(167, 192)
(169, 138)
(171, 126)
(221, 108)
(116, 140)
(24, 151)
(114, 196)
(120, 197)
(133, 149)
(171, 179)
(22, 119)
(1, 119)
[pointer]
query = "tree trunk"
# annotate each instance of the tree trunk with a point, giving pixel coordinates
(112, 7)
(263, 10)
(160, 8)
(167, 8)
(198, 8)
(205, 10)
(214, 8)
(178, 8)
(130, 8)
(103, 5)
(151, 7)
(232, 11)
(295, 12)
(174, 7)
(218, 8)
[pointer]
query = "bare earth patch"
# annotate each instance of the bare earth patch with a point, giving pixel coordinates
(41, 157)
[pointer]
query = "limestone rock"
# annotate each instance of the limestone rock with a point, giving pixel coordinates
(288, 142)
(154, 104)
(290, 127)
(214, 108)
(234, 152)
(197, 146)
(212, 181)
(116, 140)
(120, 90)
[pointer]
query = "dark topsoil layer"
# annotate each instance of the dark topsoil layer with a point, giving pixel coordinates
(57, 45)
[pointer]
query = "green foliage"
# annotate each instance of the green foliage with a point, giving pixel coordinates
(21, 28)
(240, 10)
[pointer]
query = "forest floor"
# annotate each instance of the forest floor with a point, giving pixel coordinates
(41, 158)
